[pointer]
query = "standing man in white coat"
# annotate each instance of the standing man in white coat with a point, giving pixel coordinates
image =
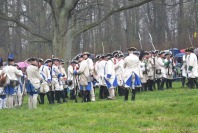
(90, 64)
(33, 83)
(161, 65)
(110, 77)
(46, 76)
(85, 85)
(103, 92)
(57, 78)
(71, 79)
(192, 68)
(131, 73)
(3, 81)
(119, 73)
(12, 80)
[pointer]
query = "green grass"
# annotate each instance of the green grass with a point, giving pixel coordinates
(174, 110)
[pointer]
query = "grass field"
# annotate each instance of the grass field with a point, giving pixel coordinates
(167, 111)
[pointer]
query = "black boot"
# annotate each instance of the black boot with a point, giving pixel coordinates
(133, 94)
(126, 94)
(170, 83)
(195, 82)
(183, 81)
(162, 83)
(57, 94)
(144, 86)
(66, 92)
(158, 84)
(84, 96)
(88, 96)
(42, 98)
(106, 92)
(150, 85)
(49, 97)
(167, 84)
(52, 96)
(154, 81)
(63, 96)
(190, 83)
(101, 92)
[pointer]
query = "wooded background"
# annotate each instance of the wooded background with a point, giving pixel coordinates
(65, 28)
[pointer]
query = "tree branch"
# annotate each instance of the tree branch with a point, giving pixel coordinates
(12, 19)
(90, 26)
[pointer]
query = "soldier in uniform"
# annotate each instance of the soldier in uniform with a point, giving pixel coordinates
(57, 78)
(191, 67)
(169, 70)
(110, 77)
(90, 77)
(150, 71)
(20, 89)
(50, 95)
(64, 75)
(154, 60)
(84, 73)
(2, 81)
(12, 74)
(119, 73)
(131, 73)
(184, 69)
(46, 76)
(144, 68)
(161, 65)
(103, 92)
(71, 79)
(34, 82)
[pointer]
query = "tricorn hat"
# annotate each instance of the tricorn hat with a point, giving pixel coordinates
(48, 61)
(86, 53)
(74, 62)
(55, 59)
(32, 59)
(132, 49)
(108, 55)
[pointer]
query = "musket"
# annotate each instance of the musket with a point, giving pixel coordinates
(38, 70)
(75, 88)
(190, 38)
(52, 57)
(140, 40)
(103, 48)
(152, 41)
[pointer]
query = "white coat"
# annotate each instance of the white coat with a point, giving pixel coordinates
(33, 76)
(160, 65)
(192, 61)
(131, 65)
(109, 70)
(100, 70)
(119, 69)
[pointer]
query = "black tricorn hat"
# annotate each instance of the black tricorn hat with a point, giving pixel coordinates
(115, 53)
(160, 53)
(74, 62)
(108, 55)
(47, 61)
(191, 49)
(40, 60)
(155, 51)
(132, 49)
(120, 55)
(86, 53)
(146, 53)
(32, 59)
(55, 59)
